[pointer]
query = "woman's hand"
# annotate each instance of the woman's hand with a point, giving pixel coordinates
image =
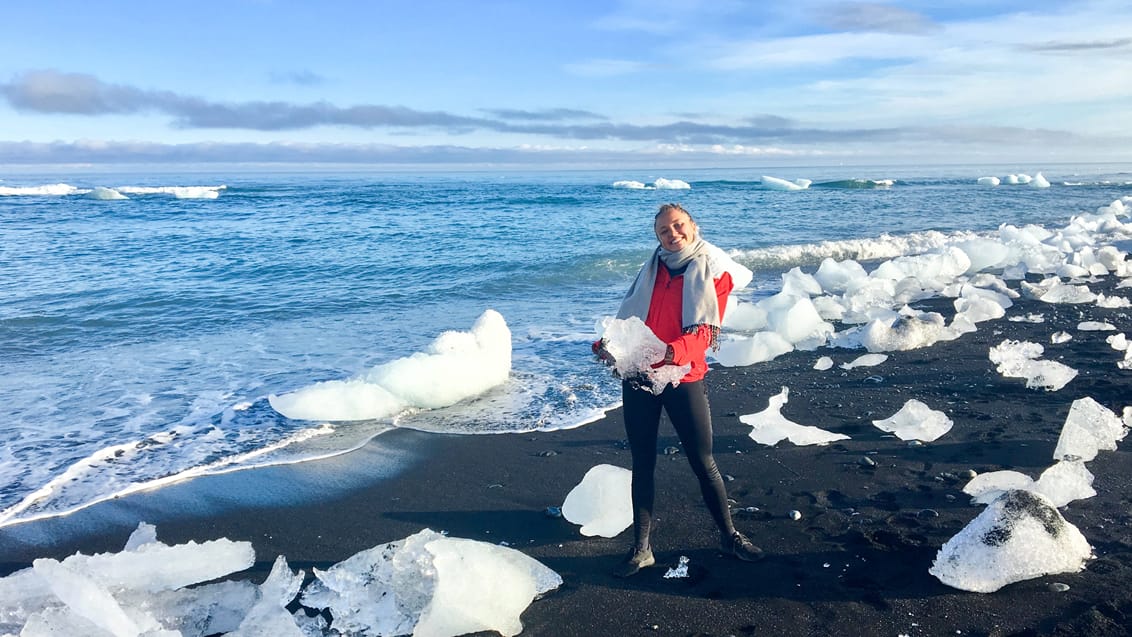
(603, 355)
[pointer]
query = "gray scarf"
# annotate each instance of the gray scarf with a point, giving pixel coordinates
(700, 305)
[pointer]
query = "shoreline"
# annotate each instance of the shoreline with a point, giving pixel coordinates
(856, 561)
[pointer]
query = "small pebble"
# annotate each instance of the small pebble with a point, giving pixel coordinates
(671, 451)
(547, 454)
(1058, 587)
(949, 497)
(928, 514)
(968, 474)
(728, 477)
(866, 461)
(915, 443)
(795, 515)
(553, 512)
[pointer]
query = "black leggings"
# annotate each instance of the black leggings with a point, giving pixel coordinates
(687, 408)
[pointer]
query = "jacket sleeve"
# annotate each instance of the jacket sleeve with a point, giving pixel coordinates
(693, 346)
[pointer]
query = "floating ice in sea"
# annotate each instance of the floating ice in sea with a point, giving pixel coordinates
(1017, 537)
(429, 584)
(916, 421)
(670, 184)
(635, 349)
(989, 181)
(769, 426)
(105, 194)
(1039, 182)
(776, 183)
(1018, 359)
(1090, 427)
(454, 367)
(865, 360)
(601, 503)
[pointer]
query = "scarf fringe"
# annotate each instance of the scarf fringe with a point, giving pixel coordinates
(714, 343)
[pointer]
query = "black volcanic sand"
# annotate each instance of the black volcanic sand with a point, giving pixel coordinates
(855, 563)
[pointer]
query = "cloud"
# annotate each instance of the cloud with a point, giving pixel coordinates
(300, 78)
(875, 17)
(553, 114)
(1072, 47)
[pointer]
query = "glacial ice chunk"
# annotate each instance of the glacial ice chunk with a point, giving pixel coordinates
(823, 363)
(865, 360)
(635, 349)
(602, 502)
(769, 426)
(748, 350)
(1017, 537)
(1062, 483)
(916, 421)
(1089, 428)
(428, 584)
(1019, 359)
(1095, 326)
(268, 617)
(454, 367)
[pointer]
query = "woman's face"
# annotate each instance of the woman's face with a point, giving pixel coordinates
(675, 230)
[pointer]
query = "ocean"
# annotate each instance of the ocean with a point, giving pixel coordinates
(146, 315)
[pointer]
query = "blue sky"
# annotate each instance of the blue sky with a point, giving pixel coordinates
(681, 82)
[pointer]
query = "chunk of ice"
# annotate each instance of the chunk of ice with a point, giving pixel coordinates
(916, 421)
(601, 503)
(769, 426)
(1017, 537)
(635, 348)
(866, 360)
(1018, 359)
(748, 350)
(1089, 428)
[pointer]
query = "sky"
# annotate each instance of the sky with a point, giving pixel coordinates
(565, 83)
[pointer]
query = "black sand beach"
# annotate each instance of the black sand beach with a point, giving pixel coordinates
(855, 563)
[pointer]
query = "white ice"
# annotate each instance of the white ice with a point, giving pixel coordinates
(455, 366)
(989, 181)
(601, 503)
(1019, 536)
(769, 426)
(916, 421)
(1062, 483)
(1019, 359)
(105, 194)
(823, 363)
(748, 350)
(1118, 342)
(1112, 302)
(1089, 428)
(635, 349)
(1095, 326)
(776, 183)
(865, 360)
(430, 585)
(1060, 337)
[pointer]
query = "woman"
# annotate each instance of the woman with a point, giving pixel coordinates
(680, 293)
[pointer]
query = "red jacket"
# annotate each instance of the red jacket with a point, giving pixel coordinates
(666, 321)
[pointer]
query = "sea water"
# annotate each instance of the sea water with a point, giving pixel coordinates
(146, 315)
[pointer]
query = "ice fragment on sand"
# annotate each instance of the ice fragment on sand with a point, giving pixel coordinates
(823, 363)
(1064, 482)
(1089, 428)
(635, 349)
(1017, 537)
(905, 332)
(268, 617)
(916, 421)
(748, 350)
(1118, 342)
(867, 360)
(1112, 302)
(428, 584)
(1058, 338)
(1095, 326)
(1018, 359)
(455, 366)
(601, 503)
(769, 426)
